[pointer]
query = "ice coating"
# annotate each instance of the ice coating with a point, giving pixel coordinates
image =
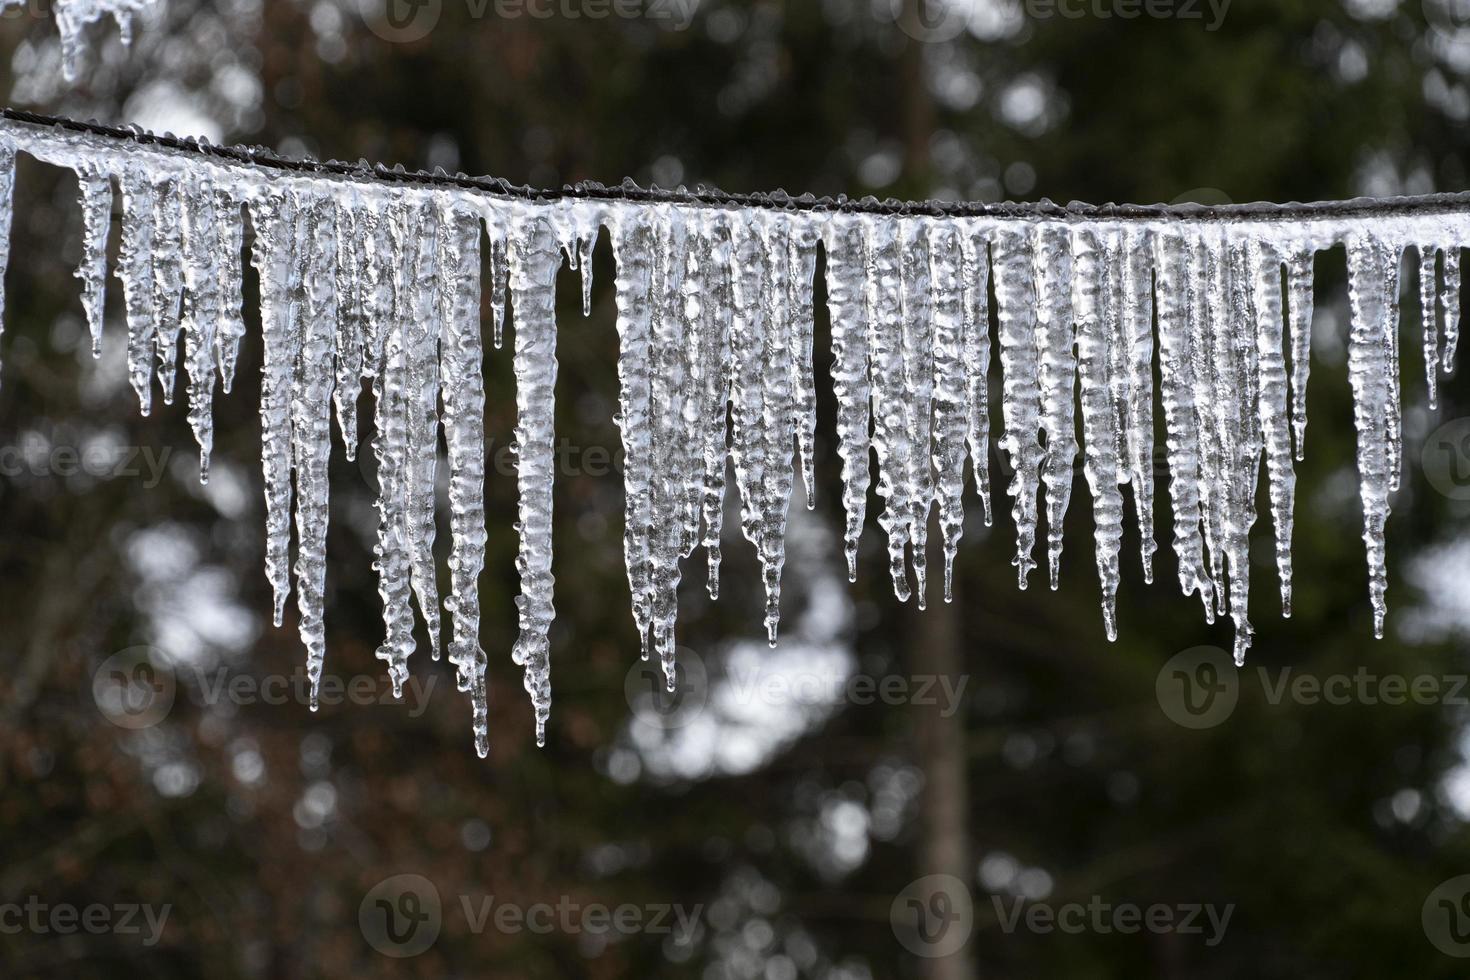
(372, 281)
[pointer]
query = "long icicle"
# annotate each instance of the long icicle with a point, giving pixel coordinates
(533, 259)
(461, 366)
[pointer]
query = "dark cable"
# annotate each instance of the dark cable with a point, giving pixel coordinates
(776, 200)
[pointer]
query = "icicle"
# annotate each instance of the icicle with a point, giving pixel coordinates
(201, 307)
(951, 409)
(378, 282)
(168, 280)
(461, 366)
(7, 187)
(1100, 443)
(274, 215)
(418, 292)
(1449, 301)
(716, 310)
(1015, 300)
(231, 327)
(349, 334)
(1052, 255)
(533, 264)
(1182, 442)
(1137, 355)
(1213, 474)
(890, 400)
(96, 191)
(674, 452)
(1235, 380)
(1299, 302)
(1265, 275)
(1395, 395)
(778, 419)
(588, 222)
(803, 259)
(715, 321)
(1429, 319)
(135, 271)
(633, 245)
(1372, 282)
(976, 346)
(499, 281)
(846, 270)
(918, 388)
(392, 391)
(311, 422)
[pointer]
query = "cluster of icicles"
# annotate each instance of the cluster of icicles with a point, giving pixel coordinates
(379, 282)
(74, 17)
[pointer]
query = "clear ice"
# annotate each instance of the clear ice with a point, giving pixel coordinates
(377, 284)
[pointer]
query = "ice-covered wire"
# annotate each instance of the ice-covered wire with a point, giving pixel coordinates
(774, 200)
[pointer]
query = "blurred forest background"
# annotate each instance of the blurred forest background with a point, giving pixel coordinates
(793, 823)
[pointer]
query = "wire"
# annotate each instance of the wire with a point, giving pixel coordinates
(775, 200)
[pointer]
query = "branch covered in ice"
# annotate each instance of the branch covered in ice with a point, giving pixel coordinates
(373, 278)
